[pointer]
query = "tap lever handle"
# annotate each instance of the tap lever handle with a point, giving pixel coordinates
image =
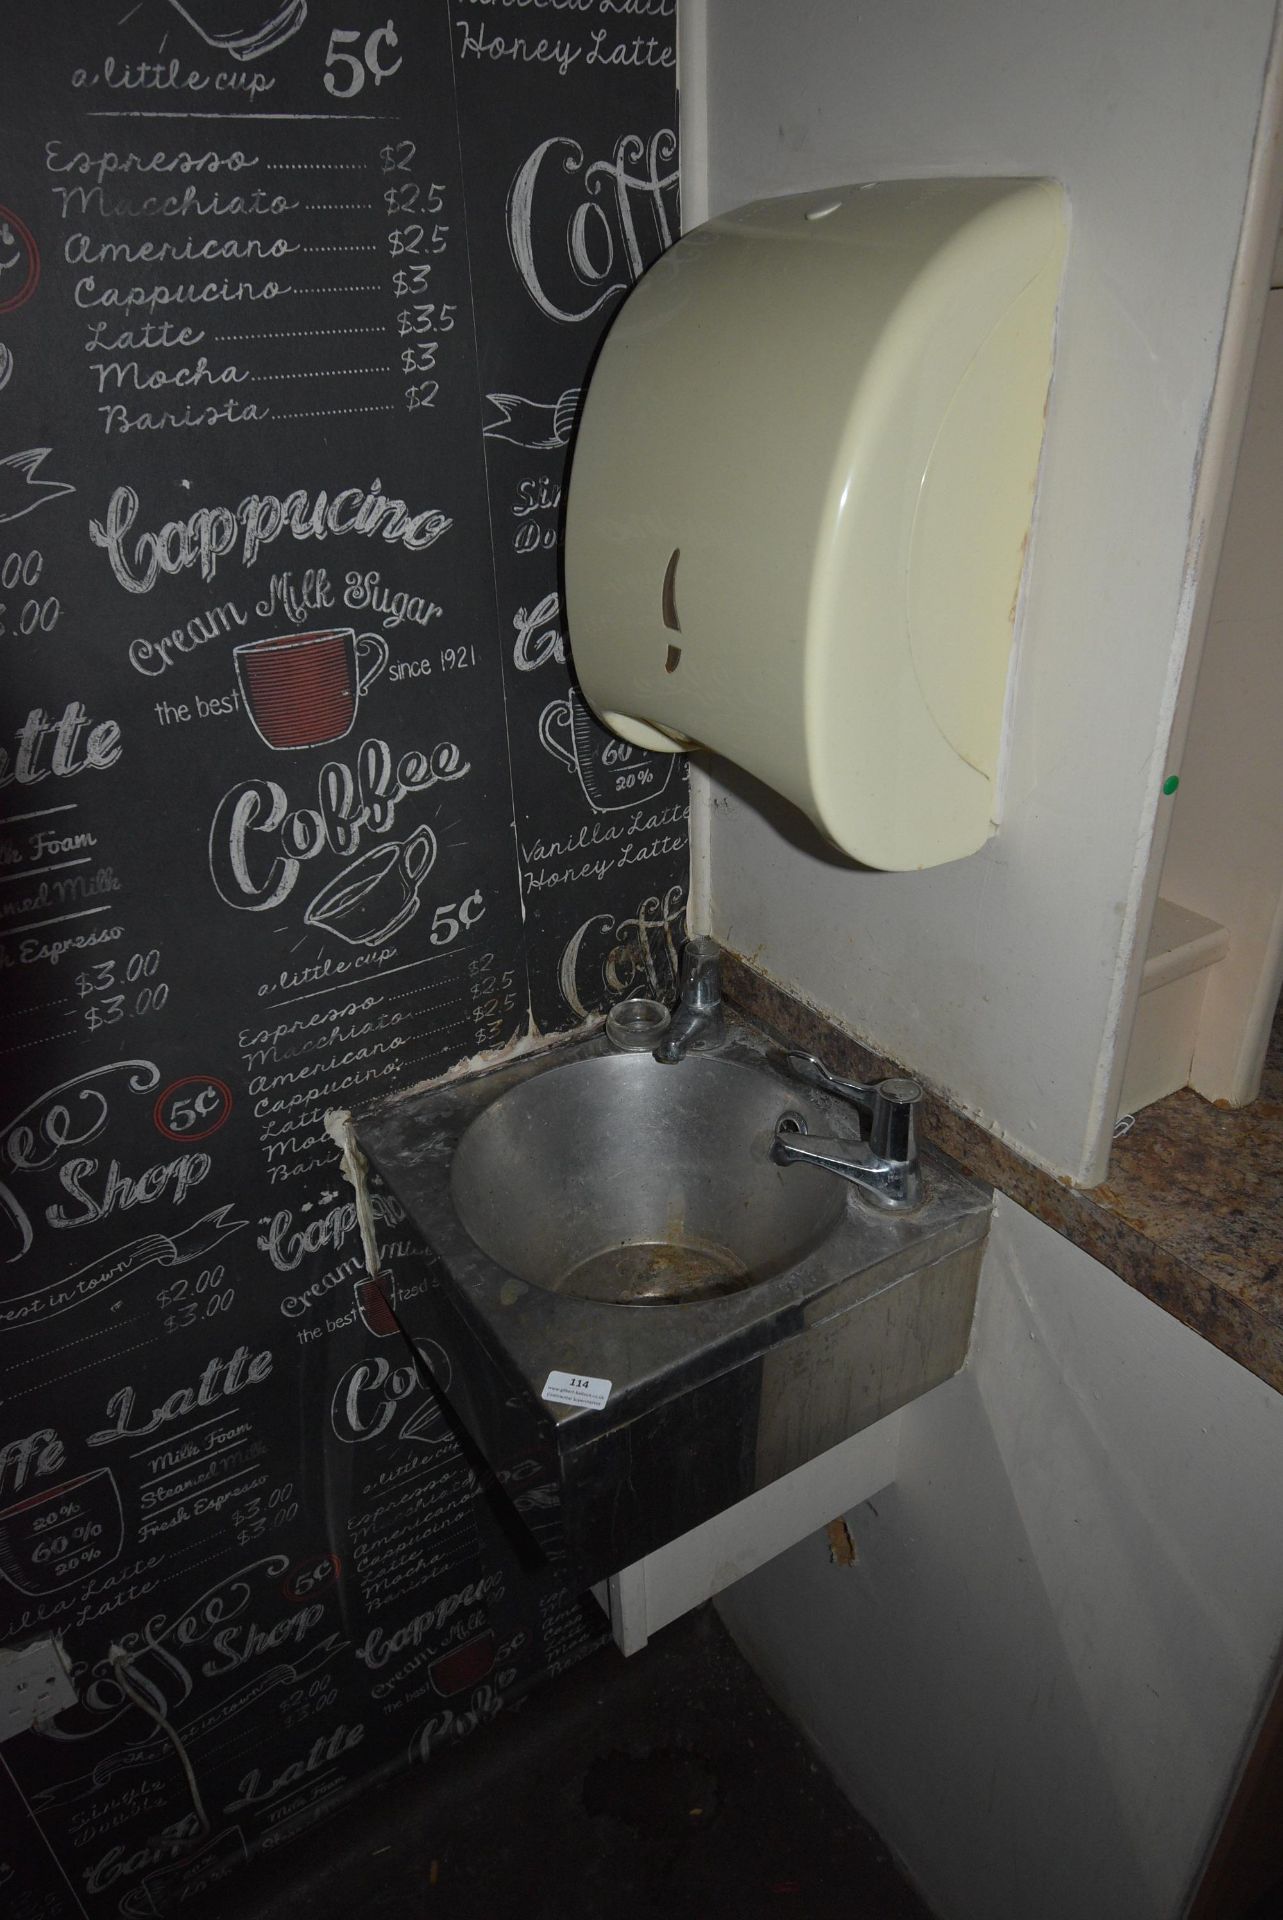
(805, 1066)
(701, 972)
(893, 1133)
(888, 1105)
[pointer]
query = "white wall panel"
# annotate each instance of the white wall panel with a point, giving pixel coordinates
(1039, 1679)
(1004, 978)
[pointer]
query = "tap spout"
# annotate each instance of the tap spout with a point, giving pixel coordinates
(698, 1024)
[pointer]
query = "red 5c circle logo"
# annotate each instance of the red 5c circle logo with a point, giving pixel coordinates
(305, 1576)
(19, 262)
(192, 1108)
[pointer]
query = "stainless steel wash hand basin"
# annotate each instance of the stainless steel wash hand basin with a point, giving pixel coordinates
(615, 1219)
(619, 1179)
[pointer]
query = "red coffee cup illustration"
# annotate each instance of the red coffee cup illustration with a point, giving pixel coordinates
(59, 1536)
(464, 1666)
(303, 689)
(611, 772)
(374, 896)
(374, 1306)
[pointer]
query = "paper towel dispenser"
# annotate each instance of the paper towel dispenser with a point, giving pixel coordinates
(801, 495)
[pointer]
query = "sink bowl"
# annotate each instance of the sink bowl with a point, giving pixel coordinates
(619, 1179)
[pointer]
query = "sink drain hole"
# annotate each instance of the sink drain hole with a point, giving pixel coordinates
(651, 1272)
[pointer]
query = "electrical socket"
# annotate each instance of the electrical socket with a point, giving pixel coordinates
(34, 1685)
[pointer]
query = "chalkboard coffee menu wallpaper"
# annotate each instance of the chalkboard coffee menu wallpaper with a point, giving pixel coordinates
(300, 806)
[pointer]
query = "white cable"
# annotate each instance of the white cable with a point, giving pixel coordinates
(120, 1661)
(355, 1169)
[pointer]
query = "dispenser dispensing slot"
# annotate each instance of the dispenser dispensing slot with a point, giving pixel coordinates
(668, 605)
(669, 597)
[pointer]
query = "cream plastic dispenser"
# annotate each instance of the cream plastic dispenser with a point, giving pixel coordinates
(801, 494)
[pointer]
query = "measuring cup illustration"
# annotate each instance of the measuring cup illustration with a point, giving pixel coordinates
(611, 772)
(63, 1534)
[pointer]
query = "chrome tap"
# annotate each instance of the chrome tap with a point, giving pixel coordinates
(886, 1170)
(698, 1025)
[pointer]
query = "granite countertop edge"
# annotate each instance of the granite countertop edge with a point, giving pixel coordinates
(1236, 1304)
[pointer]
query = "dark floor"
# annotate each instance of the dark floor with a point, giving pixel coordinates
(667, 1784)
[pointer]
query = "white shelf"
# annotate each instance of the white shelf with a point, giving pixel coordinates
(1182, 946)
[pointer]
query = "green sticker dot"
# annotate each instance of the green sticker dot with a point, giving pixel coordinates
(1171, 783)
